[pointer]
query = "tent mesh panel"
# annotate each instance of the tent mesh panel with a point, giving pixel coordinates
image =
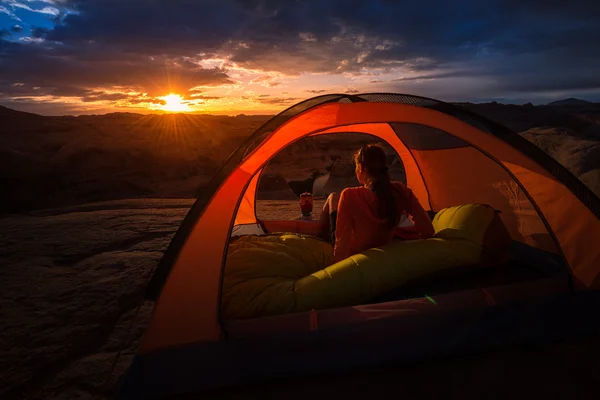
(579, 189)
(281, 118)
(398, 98)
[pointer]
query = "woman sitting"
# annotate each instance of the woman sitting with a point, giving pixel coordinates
(367, 216)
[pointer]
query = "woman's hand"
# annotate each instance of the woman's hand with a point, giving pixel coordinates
(422, 221)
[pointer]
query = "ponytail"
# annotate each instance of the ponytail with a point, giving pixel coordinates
(373, 160)
(385, 192)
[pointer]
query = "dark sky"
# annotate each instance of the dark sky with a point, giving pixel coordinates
(228, 56)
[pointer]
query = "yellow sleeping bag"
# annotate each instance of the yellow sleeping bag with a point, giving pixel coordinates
(260, 272)
(277, 274)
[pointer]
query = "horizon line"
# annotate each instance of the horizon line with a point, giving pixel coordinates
(250, 113)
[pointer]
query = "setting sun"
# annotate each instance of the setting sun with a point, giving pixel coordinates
(174, 102)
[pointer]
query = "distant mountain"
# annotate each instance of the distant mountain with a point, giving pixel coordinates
(6, 112)
(18, 123)
(580, 155)
(571, 101)
(582, 119)
(112, 115)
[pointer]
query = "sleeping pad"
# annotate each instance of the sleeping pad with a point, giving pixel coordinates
(283, 273)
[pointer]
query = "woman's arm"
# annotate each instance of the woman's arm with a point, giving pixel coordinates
(422, 221)
(343, 229)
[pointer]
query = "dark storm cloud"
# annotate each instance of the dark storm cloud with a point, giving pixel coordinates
(435, 76)
(68, 71)
(39, 32)
(334, 30)
(512, 45)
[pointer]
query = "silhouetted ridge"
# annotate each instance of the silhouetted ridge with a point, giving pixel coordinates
(571, 101)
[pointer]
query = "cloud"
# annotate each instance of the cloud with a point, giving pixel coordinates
(11, 14)
(100, 96)
(28, 39)
(478, 49)
(355, 31)
(39, 32)
(202, 97)
(266, 81)
(316, 91)
(73, 71)
(46, 10)
(263, 78)
(436, 76)
(278, 101)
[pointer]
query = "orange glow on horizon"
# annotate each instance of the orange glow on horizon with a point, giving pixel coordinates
(174, 103)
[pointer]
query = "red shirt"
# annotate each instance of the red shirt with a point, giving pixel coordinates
(359, 228)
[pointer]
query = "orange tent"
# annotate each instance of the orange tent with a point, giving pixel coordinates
(451, 156)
